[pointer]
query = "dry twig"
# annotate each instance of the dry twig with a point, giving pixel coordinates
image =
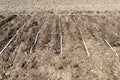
(84, 43)
(13, 37)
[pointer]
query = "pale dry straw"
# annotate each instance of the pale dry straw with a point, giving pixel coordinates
(84, 43)
(13, 37)
(61, 48)
(107, 42)
(35, 42)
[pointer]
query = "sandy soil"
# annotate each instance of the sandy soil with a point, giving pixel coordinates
(58, 5)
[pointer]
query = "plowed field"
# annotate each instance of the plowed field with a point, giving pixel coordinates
(71, 46)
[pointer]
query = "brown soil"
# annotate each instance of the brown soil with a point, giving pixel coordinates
(46, 61)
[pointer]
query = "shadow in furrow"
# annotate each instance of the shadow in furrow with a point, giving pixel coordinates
(57, 38)
(7, 20)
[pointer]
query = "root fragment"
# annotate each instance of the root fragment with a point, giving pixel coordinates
(13, 37)
(107, 42)
(84, 43)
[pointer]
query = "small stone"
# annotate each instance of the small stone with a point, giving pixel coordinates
(76, 65)
(60, 67)
(0, 77)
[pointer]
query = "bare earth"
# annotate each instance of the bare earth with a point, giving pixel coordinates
(42, 40)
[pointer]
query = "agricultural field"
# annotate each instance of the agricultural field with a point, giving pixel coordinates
(65, 46)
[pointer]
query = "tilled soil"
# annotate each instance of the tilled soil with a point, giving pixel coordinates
(50, 46)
